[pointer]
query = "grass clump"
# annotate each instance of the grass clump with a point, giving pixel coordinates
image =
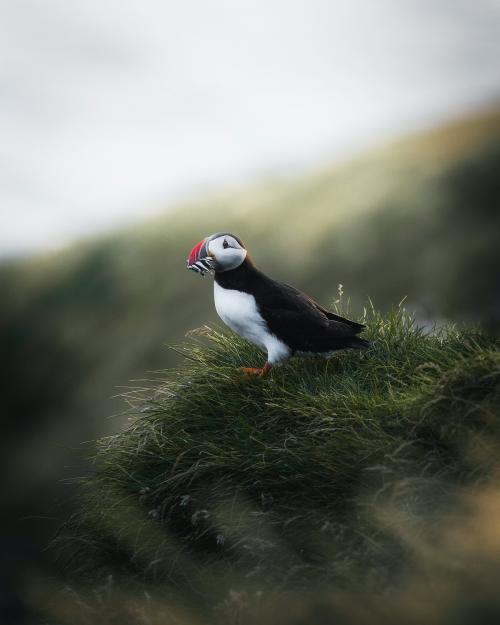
(304, 477)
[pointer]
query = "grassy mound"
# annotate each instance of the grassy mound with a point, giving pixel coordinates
(299, 479)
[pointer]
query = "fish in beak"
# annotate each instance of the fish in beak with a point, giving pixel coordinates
(199, 259)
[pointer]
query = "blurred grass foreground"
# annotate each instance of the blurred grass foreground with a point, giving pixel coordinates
(358, 489)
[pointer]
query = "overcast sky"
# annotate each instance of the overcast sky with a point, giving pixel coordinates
(110, 110)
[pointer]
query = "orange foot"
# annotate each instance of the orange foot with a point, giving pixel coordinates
(261, 372)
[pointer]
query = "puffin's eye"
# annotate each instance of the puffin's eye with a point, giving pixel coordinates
(225, 245)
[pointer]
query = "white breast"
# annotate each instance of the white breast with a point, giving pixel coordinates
(238, 310)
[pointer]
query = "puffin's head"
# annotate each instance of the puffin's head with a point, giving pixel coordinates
(220, 252)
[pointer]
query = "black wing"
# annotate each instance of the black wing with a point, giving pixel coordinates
(308, 301)
(302, 323)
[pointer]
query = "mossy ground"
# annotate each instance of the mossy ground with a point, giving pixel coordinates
(302, 480)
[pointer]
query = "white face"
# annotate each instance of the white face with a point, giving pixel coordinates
(227, 252)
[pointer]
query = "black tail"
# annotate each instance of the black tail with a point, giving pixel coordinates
(356, 327)
(359, 343)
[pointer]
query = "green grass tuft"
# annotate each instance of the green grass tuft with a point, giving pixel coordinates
(284, 481)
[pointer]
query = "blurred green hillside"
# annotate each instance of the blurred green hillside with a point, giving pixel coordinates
(419, 218)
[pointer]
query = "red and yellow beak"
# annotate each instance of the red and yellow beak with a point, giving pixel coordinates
(199, 259)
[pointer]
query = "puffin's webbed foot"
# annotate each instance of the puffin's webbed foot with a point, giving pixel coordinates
(259, 371)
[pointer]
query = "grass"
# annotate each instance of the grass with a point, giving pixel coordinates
(329, 474)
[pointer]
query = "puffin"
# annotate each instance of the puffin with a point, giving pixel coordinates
(278, 318)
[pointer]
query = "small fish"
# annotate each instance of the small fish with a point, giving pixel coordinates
(202, 266)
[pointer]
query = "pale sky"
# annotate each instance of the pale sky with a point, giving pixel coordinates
(111, 110)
